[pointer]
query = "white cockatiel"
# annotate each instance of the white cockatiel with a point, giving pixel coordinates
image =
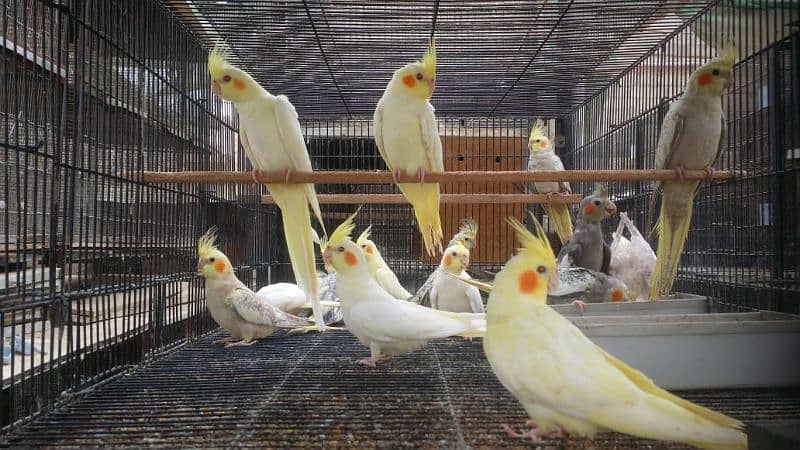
(632, 260)
(408, 140)
(467, 236)
(693, 135)
(542, 157)
(387, 326)
(288, 297)
(273, 141)
(379, 269)
(449, 294)
(232, 304)
(564, 381)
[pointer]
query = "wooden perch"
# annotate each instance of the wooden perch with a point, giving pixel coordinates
(396, 199)
(383, 177)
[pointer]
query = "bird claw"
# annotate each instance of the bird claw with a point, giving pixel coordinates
(255, 173)
(227, 340)
(709, 173)
(421, 175)
(535, 434)
(396, 176)
(241, 343)
(580, 305)
(679, 171)
(372, 362)
(286, 174)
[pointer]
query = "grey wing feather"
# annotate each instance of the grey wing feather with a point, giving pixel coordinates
(422, 296)
(571, 250)
(606, 258)
(671, 131)
(254, 310)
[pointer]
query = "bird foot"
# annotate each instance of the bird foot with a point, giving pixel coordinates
(468, 338)
(396, 176)
(255, 173)
(286, 174)
(421, 175)
(709, 173)
(372, 362)
(549, 196)
(310, 328)
(227, 340)
(679, 171)
(535, 434)
(580, 305)
(241, 343)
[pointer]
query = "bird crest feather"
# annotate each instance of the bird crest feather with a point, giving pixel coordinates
(534, 243)
(207, 243)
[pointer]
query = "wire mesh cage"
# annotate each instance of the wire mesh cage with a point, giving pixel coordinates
(99, 268)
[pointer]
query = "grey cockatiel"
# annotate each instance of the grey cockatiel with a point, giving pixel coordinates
(632, 260)
(577, 283)
(587, 248)
(542, 157)
(467, 235)
(233, 305)
(692, 137)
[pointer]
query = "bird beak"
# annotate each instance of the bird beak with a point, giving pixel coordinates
(552, 281)
(215, 88)
(542, 145)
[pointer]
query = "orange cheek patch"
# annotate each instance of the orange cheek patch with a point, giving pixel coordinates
(219, 266)
(528, 282)
(617, 296)
(448, 260)
(350, 258)
(589, 210)
(369, 250)
(704, 79)
(409, 81)
(238, 84)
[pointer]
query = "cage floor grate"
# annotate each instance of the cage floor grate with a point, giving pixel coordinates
(307, 390)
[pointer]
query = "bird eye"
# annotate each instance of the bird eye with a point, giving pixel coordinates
(454, 254)
(226, 78)
(363, 245)
(340, 249)
(537, 141)
(715, 72)
(597, 202)
(466, 239)
(210, 259)
(541, 269)
(419, 76)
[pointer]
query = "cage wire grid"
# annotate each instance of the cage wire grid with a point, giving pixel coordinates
(99, 270)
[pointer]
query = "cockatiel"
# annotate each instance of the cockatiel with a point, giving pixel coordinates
(408, 140)
(542, 157)
(448, 294)
(587, 248)
(467, 236)
(564, 381)
(693, 136)
(272, 139)
(379, 269)
(632, 261)
(232, 304)
(288, 297)
(577, 283)
(387, 326)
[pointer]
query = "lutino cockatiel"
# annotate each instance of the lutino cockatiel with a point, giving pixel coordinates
(288, 297)
(542, 157)
(273, 141)
(632, 260)
(564, 381)
(692, 136)
(387, 326)
(232, 304)
(379, 269)
(408, 140)
(449, 294)
(467, 236)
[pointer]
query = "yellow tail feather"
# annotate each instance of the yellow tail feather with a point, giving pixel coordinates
(292, 201)
(672, 231)
(559, 214)
(425, 200)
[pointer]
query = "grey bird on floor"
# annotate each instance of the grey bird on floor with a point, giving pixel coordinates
(587, 248)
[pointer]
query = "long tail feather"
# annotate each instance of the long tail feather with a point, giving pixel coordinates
(651, 212)
(425, 200)
(672, 231)
(485, 287)
(300, 243)
(311, 197)
(559, 214)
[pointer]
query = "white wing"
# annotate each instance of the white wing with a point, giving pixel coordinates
(405, 321)
(377, 123)
(475, 301)
(431, 140)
